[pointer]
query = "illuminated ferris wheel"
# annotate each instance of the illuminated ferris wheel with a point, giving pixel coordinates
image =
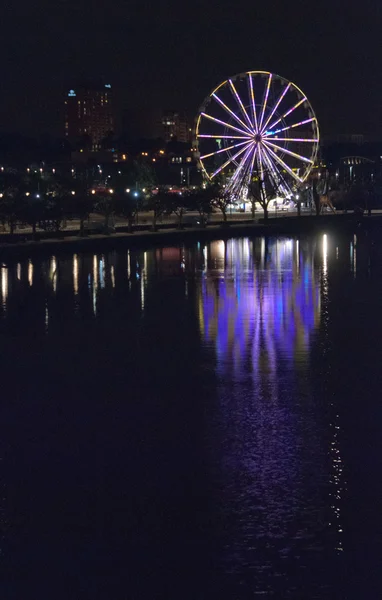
(257, 125)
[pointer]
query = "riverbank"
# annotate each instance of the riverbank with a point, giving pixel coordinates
(19, 244)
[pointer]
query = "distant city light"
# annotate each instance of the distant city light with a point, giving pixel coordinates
(123, 156)
(143, 189)
(1, 194)
(93, 191)
(72, 93)
(37, 195)
(127, 190)
(107, 85)
(111, 191)
(27, 193)
(135, 193)
(73, 193)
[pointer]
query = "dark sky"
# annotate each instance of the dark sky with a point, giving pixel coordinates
(170, 54)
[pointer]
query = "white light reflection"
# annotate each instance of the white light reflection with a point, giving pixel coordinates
(102, 272)
(4, 285)
(128, 265)
(53, 273)
(355, 255)
(75, 274)
(298, 256)
(112, 275)
(30, 273)
(95, 283)
(18, 272)
(46, 318)
(325, 253)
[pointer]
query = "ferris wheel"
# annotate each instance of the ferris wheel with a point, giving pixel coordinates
(257, 125)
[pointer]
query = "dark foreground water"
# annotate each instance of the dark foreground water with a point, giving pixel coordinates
(193, 422)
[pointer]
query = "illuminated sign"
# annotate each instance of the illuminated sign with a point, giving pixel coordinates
(72, 93)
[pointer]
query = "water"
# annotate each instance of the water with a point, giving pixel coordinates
(193, 422)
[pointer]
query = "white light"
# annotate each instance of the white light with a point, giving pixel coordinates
(111, 191)
(127, 190)
(93, 191)
(37, 195)
(143, 189)
(27, 193)
(135, 193)
(73, 192)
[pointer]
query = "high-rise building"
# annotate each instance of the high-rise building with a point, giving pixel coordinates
(176, 126)
(89, 113)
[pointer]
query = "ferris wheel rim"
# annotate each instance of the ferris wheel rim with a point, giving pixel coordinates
(246, 129)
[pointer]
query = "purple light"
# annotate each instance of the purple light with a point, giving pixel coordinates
(230, 160)
(265, 100)
(292, 126)
(223, 123)
(232, 113)
(287, 113)
(275, 107)
(240, 104)
(308, 160)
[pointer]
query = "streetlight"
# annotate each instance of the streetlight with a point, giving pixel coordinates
(127, 190)
(111, 191)
(73, 193)
(135, 193)
(93, 192)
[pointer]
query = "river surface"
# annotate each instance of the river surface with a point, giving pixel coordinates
(193, 422)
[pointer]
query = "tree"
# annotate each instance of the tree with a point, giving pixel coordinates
(104, 204)
(176, 204)
(144, 176)
(33, 210)
(10, 205)
(127, 205)
(158, 203)
(200, 200)
(219, 198)
(262, 189)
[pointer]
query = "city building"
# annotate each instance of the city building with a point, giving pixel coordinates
(176, 126)
(89, 114)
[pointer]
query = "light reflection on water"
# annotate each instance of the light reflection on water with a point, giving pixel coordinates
(258, 309)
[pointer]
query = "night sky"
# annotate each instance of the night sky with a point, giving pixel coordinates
(170, 54)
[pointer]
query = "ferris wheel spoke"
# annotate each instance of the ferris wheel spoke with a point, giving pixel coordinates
(225, 124)
(265, 100)
(274, 169)
(232, 158)
(253, 102)
(241, 166)
(288, 112)
(225, 137)
(253, 162)
(223, 150)
(275, 108)
(307, 140)
(298, 156)
(232, 113)
(283, 164)
(241, 105)
(269, 133)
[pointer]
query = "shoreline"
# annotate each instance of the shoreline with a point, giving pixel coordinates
(276, 226)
